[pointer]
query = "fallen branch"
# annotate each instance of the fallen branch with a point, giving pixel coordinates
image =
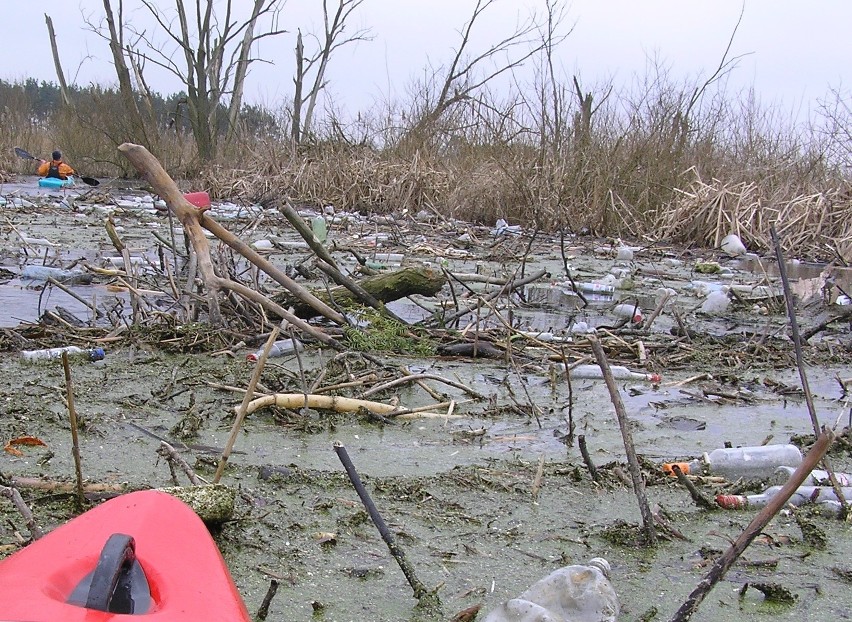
(331, 402)
(630, 450)
(15, 497)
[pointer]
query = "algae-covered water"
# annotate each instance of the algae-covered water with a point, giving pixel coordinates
(463, 496)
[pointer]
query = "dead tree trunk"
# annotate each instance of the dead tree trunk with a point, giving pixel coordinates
(60, 75)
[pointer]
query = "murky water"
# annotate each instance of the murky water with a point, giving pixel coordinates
(460, 504)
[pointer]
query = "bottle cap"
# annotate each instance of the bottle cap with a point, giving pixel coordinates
(655, 378)
(96, 354)
(668, 467)
(251, 357)
(731, 502)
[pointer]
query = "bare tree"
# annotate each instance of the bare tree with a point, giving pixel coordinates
(125, 85)
(467, 72)
(206, 47)
(334, 29)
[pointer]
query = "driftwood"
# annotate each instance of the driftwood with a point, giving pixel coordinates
(194, 220)
(337, 404)
(383, 287)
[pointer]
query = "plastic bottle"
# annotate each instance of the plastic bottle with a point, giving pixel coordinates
(42, 273)
(619, 372)
(815, 477)
(630, 311)
(279, 348)
(320, 228)
(577, 593)
(748, 462)
(803, 494)
(73, 352)
(595, 288)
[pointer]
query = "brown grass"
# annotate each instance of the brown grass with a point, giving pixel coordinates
(645, 165)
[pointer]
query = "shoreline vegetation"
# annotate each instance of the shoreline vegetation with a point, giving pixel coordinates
(680, 162)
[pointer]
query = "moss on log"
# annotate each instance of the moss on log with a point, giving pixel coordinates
(385, 287)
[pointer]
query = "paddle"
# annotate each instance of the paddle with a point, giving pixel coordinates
(91, 181)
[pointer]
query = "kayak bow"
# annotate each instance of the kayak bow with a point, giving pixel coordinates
(145, 553)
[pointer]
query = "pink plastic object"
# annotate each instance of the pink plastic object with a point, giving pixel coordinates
(198, 199)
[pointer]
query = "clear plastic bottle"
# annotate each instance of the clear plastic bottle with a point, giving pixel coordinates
(814, 478)
(629, 311)
(279, 348)
(73, 352)
(596, 288)
(803, 494)
(577, 593)
(320, 228)
(619, 372)
(748, 462)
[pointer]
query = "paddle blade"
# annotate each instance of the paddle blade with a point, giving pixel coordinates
(90, 181)
(23, 154)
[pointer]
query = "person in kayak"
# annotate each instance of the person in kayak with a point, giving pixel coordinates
(55, 168)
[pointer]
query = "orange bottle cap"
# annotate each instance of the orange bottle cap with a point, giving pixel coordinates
(668, 467)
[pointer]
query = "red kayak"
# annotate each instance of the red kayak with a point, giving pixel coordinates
(141, 554)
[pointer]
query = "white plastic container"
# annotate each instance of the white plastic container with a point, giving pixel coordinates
(814, 478)
(747, 462)
(279, 348)
(619, 372)
(803, 495)
(574, 593)
(73, 352)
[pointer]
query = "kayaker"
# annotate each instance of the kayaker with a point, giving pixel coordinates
(55, 168)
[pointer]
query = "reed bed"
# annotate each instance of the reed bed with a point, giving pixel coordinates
(816, 224)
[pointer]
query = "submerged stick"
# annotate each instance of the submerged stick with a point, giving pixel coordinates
(75, 442)
(263, 610)
(18, 501)
(420, 592)
(243, 410)
(700, 499)
(723, 564)
(593, 471)
(627, 437)
(800, 363)
(168, 452)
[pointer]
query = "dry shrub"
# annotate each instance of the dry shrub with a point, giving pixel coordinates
(811, 223)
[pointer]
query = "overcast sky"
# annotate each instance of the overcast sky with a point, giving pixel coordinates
(794, 52)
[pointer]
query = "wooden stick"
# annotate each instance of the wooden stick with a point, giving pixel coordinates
(75, 442)
(584, 451)
(15, 497)
(412, 377)
(800, 363)
(328, 402)
(723, 564)
(627, 437)
(420, 591)
(700, 499)
(242, 411)
(193, 220)
(169, 453)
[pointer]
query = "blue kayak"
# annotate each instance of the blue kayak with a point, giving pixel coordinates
(55, 182)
